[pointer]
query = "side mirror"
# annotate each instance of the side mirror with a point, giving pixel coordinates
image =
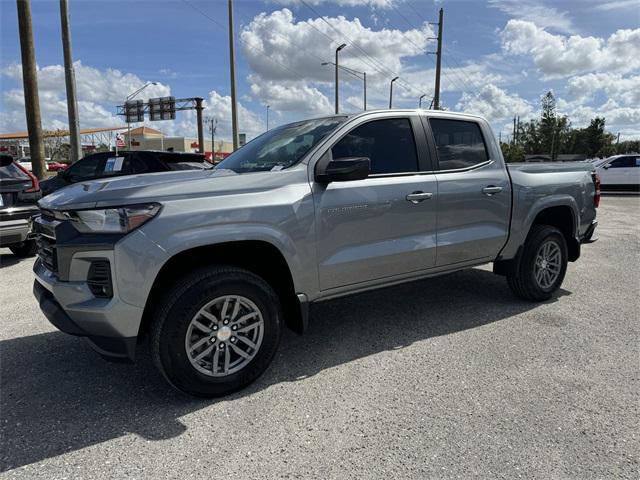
(345, 169)
(606, 167)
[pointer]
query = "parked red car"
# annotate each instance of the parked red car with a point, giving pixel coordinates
(55, 166)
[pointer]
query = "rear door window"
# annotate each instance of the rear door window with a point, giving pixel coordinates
(459, 144)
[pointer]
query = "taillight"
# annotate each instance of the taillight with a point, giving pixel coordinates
(35, 184)
(596, 182)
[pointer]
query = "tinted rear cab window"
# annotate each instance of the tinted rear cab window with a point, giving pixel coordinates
(459, 144)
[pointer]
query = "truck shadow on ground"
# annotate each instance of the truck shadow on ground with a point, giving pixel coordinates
(7, 260)
(58, 396)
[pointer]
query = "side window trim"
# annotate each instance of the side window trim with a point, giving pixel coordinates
(416, 140)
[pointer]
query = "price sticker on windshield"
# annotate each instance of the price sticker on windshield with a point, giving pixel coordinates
(114, 164)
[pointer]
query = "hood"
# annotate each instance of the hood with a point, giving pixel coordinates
(157, 187)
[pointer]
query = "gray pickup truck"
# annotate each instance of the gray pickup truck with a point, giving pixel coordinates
(210, 265)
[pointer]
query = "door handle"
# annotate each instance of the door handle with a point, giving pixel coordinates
(417, 197)
(491, 190)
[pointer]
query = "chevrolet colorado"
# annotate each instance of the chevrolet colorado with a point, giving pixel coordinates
(209, 265)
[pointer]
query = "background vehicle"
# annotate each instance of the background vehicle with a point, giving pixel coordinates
(19, 193)
(53, 166)
(620, 172)
(210, 266)
(108, 164)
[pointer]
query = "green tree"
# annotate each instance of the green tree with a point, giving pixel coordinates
(512, 152)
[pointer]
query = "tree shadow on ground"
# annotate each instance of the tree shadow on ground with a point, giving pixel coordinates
(58, 396)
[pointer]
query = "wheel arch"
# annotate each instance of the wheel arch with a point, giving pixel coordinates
(257, 256)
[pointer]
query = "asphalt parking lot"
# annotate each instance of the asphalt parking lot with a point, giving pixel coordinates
(450, 377)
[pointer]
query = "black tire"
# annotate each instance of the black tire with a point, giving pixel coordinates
(180, 304)
(25, 249)
(523, 281)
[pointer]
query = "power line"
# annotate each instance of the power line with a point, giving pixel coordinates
(223, 27)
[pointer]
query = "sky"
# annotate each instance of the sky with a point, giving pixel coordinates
(499, 58)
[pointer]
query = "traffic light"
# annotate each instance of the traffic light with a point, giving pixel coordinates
(134, 111)
(162, 108)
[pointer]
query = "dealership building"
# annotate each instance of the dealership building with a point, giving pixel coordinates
(145, 138)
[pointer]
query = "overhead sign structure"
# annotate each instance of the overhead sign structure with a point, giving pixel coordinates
(134, 111)
(162, 108)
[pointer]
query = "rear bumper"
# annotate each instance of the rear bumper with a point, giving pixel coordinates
(112, 348)
(15, 224)
(14, 231)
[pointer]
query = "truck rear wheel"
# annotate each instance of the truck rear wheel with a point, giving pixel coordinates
(216, 331)
(542, 266)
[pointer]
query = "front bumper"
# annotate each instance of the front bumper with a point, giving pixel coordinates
(112, 348)
(110, 324)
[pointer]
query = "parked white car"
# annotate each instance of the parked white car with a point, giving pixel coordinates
(620, 172)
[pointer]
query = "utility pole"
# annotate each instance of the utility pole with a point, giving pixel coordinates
(70, 82)
(436, 95)
(513, 138)
(232, 65)
(336, 80)
(199, 109)
(30, 83)
(213, 126)
(391, 91)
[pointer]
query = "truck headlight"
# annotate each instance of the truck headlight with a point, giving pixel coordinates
(113, 220)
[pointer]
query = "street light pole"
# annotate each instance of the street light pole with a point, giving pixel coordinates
(232, 68)
(420, 101)
(130, 97)
(391, 91)
(336, 80)
(356, 74)
(364, 77)
(268, 107)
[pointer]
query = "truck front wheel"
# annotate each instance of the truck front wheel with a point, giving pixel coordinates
(542, 266)
(216, 331)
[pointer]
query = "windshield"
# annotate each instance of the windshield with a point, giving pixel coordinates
(281, 147)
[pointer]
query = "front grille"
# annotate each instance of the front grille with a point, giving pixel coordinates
(45, 229)
(99, 279)
(47, 252)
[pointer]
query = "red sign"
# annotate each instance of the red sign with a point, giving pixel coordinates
(119, 141)
(195, 145)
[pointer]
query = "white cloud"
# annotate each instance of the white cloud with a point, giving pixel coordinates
(536, 12)
(286, 56)
(617, 88)
(560, 56)
(617, 4)
(283, 97)
(344, 3)
(98, 91)
(495, 104)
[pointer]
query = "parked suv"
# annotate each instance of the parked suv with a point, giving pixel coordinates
(111, 164)
(210, 266)
(19, 193)
(620, 172)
